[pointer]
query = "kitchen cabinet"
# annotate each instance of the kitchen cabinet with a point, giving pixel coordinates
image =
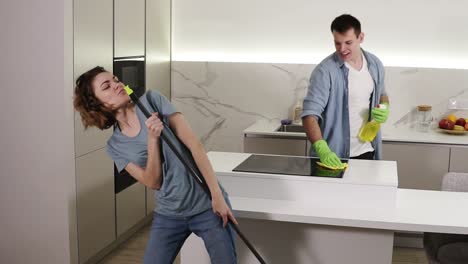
(130, 207)
(104, 30)
(459, 159)
(150, 201)
(95, 199)
(158, 46)
(129, 28)
(95, 203)
(158, 59)
(420, 166)
(308, 146)
(279, 146)
(92, 47)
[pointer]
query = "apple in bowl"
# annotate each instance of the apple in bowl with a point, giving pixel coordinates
(446, 124)
(460, 122)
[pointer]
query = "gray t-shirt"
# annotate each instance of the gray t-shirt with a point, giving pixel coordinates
(179, 194)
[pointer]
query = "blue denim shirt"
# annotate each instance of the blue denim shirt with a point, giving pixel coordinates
(327, 100)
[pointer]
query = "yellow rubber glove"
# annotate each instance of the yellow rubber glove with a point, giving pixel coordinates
(327, 157)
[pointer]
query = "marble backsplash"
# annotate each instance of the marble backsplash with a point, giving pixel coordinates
(221, 99)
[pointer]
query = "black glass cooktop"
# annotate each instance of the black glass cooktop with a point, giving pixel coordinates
(304, 166)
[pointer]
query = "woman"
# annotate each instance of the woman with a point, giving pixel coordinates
(182, 206)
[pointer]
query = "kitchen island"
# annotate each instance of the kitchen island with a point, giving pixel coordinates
(423, 157)
(296, 219)
(299, 219)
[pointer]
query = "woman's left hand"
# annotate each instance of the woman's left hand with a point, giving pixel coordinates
(221, 208)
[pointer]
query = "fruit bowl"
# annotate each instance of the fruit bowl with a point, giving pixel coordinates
(453, 132)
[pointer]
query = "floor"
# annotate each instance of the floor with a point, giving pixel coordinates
(131, 252)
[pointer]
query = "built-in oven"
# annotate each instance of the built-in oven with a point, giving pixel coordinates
(131, 71)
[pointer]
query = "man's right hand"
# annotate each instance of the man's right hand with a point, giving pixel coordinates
(326, 156)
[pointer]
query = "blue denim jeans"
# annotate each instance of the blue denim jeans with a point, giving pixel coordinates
(168, 234)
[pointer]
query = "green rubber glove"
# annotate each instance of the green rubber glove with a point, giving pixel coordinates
(380, 114)
(326, 156)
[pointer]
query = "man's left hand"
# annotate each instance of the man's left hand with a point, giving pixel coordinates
(380, 114)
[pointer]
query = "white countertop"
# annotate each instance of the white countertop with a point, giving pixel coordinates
(434, 136)
(415, 210)
(357, 200)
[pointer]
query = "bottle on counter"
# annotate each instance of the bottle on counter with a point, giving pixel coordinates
(369, 131)
(297, 112)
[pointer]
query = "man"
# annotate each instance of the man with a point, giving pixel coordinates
(344, 92)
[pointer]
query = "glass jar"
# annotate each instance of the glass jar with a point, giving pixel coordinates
(424, 117)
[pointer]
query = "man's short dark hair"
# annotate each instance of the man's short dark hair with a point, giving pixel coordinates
(344, 23)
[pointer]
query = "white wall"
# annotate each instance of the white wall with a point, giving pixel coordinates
(421, 33)
(36, 143)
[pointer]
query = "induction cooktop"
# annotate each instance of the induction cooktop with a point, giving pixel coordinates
(289, 165)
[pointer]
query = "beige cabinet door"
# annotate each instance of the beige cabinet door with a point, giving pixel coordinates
(420, 166)
(279, 146)
(150, 201)
(130, 207)
(129, 28)
(95, 203)
(158, 46)
(92, 46)
(459, 159)
(308, 146)
(158, 59)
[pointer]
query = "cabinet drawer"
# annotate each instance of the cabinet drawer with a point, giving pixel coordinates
(419, 166)
(459, 159)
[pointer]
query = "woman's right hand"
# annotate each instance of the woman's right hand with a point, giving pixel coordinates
(154, 126)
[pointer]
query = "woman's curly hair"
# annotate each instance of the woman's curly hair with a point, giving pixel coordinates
(92, 111)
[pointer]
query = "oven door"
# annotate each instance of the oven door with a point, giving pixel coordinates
(131, 71)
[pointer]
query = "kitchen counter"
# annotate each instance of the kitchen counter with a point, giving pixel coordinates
(399, 209)
(315, 219)
(389, 134)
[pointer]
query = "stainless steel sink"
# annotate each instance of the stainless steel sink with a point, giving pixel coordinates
(291, 128)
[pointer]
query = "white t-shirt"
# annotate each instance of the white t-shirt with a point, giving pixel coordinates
(360, 87)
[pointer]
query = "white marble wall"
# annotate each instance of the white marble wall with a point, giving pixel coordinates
(221, 99)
